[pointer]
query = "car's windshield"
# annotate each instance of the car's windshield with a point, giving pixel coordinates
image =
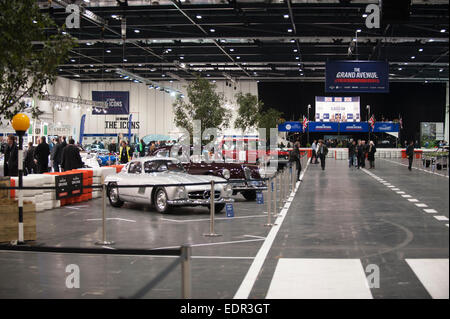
(162, 166)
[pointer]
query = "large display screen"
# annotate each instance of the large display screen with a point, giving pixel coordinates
(337, 109)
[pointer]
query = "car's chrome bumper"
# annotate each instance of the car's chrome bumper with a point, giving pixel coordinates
(248, 186)
(195, 202)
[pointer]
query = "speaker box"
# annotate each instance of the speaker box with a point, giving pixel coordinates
(395, 11)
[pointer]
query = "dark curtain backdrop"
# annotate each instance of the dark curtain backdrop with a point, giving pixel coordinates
(415, 102)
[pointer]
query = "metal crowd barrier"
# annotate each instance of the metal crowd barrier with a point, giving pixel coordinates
(184, 253)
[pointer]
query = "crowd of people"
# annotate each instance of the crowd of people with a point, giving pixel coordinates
(63, 156)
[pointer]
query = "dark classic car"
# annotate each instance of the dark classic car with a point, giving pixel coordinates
(244, 178)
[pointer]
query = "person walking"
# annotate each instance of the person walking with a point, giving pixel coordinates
(322, 152)
(294, 157)
(141, 148)
(125, 154)
(56, 154)
(410, 154)
(30, 165)
(371, 155)
(41, 154)
(70, 157)
(314, 152)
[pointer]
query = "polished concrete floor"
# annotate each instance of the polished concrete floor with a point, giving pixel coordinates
(340, 224)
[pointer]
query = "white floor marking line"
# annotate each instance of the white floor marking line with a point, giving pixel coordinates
(296, 278)
(395, 189)
(114, 218)
(420, 169)
(227, 242)
(413, 200)
(392, 186)
(250, 278)
(433, 274)
(221, 257)
(208, 219)
(253, 236)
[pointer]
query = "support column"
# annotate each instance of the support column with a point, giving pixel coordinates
(446, 128)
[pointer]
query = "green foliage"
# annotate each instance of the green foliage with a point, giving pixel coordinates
(203, 104)
(249, 111)
(26, 67)
(269, 119)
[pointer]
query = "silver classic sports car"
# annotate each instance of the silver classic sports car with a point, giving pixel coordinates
(169, 174)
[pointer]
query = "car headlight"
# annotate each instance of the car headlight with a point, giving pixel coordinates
(181, 192)
(228, 190)
(226, 173)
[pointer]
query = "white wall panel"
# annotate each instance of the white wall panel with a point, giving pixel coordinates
(154, 108)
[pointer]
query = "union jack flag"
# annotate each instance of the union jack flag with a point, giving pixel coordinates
(305, 123)
(372, 121)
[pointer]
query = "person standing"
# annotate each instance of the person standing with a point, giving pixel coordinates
(56, 154)
(410, 154)
(141, 148)
(70, 157)
(359, 153)
(322, 152)
(63, 142)
(30, 165)
(371, 154)
(352, 154)
(294, 157)
(314, 152)
(365, 150)
(112, 148)
(11, 157)
(125, 154)
(41, 154)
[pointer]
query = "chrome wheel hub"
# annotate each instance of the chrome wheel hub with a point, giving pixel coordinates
(161, 200)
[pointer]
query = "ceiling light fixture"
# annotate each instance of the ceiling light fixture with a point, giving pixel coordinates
(286, 16)
(198, 16)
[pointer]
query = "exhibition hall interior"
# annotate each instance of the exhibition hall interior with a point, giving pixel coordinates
(229, 153)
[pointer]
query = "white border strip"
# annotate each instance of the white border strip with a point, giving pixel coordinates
(252, 275)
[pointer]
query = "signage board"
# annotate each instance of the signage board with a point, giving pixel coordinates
(68, 185)
(117, 102)
(357, 76)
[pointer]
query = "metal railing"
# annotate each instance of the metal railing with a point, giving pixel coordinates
(184, 253)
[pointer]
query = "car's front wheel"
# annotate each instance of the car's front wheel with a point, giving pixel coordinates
(160, 201)
(218, 208)
(249, 195)
(113, 195)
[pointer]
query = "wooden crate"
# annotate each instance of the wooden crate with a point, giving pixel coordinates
(9, 221)
(5, 182)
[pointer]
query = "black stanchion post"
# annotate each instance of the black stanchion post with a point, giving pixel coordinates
(20, 122)
(186, 285)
